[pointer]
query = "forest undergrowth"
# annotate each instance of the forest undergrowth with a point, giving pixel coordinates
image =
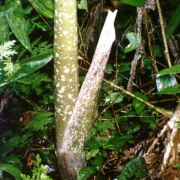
(136, 123)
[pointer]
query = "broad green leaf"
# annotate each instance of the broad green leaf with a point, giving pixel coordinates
(134, 42)
(15, 18)
(136, 3)
(165, 81)
(83, 5)
(135, 168)
(26, 67)
(46, 8)
(4, 30)
(139, 106)
(124, 67)
(171, 90)
(174, 22)
(92, 153)
(11, 170)
(172, 70)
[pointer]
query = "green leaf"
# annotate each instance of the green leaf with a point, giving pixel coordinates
(165, 81)
(92, 153)
(83, 5)
(136, 3)
(4, 30)
(26, 67)
(135, 168)
(177, 166)
(139, 106)
(134, 42)
(109, 69)
(158, 51)
(85, 173)
(46, 8)
(172, 70)
(170, 90)
(15, 18)
(124, 67)
(114, 97)
(11, 170)
(13, 160)
(97, 162)
(174, 22)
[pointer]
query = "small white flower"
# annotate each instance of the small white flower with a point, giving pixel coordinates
(6, 50)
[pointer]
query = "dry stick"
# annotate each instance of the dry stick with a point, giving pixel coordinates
(170, 149)
(166, 50)
(161, 111)
(139, 50)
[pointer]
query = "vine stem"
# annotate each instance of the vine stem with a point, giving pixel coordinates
(166, 50)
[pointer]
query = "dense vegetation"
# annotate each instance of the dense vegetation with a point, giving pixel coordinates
(135, 102)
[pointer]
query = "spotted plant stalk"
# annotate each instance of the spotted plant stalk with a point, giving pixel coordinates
(65, 65)
(71, 154)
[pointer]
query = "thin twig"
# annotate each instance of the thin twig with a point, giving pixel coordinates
(166, 50)
(159, 110)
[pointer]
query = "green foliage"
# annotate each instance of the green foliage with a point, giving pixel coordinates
(134, 42)
(165, 81)
(177, 166)
(82, 4)
(13, 143)
(174, 22)
(20, 65)
(46, 8)
(135, 168)
(133, 2)
(16, 21)
(172, 70)
(158, 51)
(39, 171)
(32, 84)
(170, 90)
(26, 67)
(113, 97)
(4, 30)
(11, 170)
(40, 122)
(139, 106)
(10, 162)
